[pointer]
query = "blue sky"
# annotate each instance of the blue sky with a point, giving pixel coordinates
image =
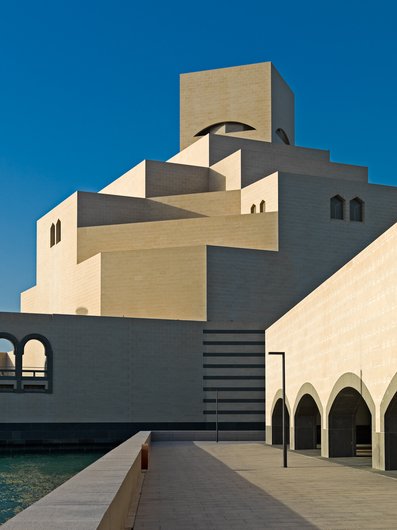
(90, 88)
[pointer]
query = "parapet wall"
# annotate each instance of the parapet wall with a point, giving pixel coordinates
(98, 498)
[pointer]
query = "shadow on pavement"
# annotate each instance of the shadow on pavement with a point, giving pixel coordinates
(186, 487)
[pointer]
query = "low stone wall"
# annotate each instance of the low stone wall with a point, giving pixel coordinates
(98, 498)
(208, 436)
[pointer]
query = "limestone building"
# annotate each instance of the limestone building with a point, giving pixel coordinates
(154, 293)
(340, 347)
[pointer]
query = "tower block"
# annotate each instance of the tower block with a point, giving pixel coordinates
(251, 101)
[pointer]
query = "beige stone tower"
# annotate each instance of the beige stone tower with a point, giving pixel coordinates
(251, 101)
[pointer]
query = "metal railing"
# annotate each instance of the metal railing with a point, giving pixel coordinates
(30, 372)
(34, 371)
(6, 373)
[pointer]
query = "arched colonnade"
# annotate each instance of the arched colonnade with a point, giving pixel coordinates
(345, 426)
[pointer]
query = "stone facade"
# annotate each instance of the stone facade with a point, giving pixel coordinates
(179, 266)
(340, 346)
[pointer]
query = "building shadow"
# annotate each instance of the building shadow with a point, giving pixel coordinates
(186, 487)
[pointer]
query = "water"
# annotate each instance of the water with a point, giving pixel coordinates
(25, 478)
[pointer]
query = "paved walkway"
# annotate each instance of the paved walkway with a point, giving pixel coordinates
(242, 486)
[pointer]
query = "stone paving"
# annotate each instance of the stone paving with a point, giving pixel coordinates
(204, 485)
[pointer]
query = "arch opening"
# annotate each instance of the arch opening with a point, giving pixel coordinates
(34, 359)
(35, 376)
(283, 136)
(262, 206)
(391, 434)
(225, 127)
(7, 358)
(253, 208)
(337, 206)
(307, 424)
(357, 210)
(7, 365)
(277, 423)
(350, 425)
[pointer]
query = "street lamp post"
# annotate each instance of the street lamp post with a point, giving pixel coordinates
(284, 423)
(216, 420)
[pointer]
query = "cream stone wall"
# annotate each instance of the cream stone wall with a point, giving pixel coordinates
(78, 285)
(131, 183)
(258, 265)
(176, 240)
(70, 282)
(263, 190)
(258, 159)
(345, 330)
(7, 360)
(216, 203)
(240, 94)
(151, 178)
(80, 292)
(247, 231)
(212, 148)
(226, 174)
(55, 265)
(30, 300)
(283, 108)
(85, 295)
(175, 179)
(311, 247)
(98, 209)
(162, 283)
(62, 285)
(255, 164)
(197, 154)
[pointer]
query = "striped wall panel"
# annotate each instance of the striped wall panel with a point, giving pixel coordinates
(234, 368)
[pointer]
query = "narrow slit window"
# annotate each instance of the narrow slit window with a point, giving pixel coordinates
(52, 235)
(58, 231)
(253, 208)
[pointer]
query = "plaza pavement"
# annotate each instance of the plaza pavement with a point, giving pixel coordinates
(242, 486)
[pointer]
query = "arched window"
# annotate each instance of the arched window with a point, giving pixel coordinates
(337, 207)
(25, 365)
(350, 425)
(7, 359)
(262, 206)
(356, 210)
(307, 424)
(36, 364)
(225, 127)
(8, 363)
(34, 360)
(52, 235)
(283, 136)
(58, 231)
(253, 208)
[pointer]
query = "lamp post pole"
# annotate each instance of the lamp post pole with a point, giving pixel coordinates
(217, 425)
(284, 423)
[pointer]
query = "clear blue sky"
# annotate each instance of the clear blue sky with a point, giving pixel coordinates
(89, 88)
